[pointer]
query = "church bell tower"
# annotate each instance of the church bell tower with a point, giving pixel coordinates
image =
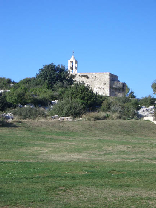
(72, 65)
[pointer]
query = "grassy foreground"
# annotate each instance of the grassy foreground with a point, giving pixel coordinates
(78, 164)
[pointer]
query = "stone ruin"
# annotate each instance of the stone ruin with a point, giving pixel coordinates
(105, 84)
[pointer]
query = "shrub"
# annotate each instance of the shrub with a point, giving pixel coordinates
(28, 113)
(3, 103)
(121, 107)
(5, 83)
(84, 94)
(147, 101)
(93, 116)
(68, 107)
(106, 105)
(114, 116)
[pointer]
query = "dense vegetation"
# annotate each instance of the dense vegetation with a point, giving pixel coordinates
(55, 83)
(5, 83)
(48, 85)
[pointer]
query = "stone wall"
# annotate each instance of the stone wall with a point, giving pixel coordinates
(106, 84)
(117, 88)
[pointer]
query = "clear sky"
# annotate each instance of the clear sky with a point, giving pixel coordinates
(116, 36)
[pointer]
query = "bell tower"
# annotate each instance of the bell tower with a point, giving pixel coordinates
(72, 65)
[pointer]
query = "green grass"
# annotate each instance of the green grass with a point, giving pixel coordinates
(78, 164)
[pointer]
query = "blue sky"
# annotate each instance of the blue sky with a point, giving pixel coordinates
(116, 36)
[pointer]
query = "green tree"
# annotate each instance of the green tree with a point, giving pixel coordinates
(29, 91)
(50, 75)
(41, 96)
(129, 93)
(16, 96)
(50, 83)
(76, 100)
(5, 83)
(127, 90)
(84, 94)
(154, 86)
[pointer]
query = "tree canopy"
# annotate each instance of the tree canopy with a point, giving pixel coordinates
(129, 93)
(154, 86)
(50, 75)
(5, 83)
(82, 93)
(41, 89)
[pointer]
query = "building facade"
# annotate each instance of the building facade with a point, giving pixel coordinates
(105, 84)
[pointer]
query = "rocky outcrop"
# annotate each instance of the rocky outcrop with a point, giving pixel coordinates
(146, 112)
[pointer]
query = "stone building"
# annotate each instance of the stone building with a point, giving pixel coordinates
(106, 84)
(72, 65)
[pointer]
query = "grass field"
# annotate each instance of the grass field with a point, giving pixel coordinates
(78, 164)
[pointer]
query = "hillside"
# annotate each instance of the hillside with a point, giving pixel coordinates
(78, 164)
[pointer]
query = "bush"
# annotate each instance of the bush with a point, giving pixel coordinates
(5, 83)
(3, 103)
(106, 105)
(28, 113)
(68, 107)
(93, 116)
(122, 108)
(147, 101)
(114, 116)
(84, 95)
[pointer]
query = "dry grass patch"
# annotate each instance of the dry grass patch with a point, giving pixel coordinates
(106, 197)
